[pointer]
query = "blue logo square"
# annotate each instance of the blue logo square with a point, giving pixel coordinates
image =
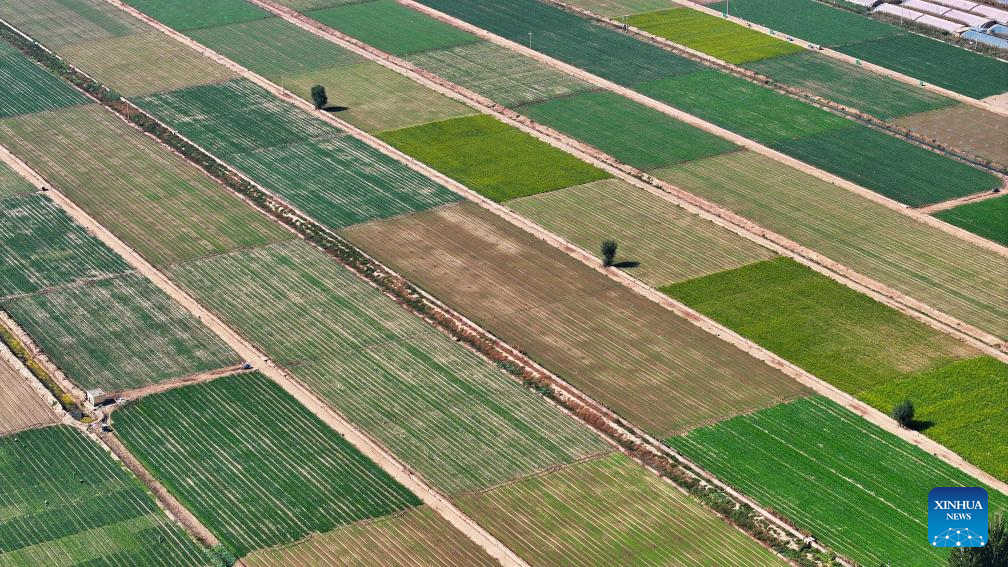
(957, 517)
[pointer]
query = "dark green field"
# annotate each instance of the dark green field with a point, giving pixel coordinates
(492, 158)
(988, 218)
(190, 14)
(809, 20)
(29, 88)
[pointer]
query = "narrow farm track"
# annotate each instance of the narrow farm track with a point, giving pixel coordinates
(945, 205)
(388, 462)
(693, 316)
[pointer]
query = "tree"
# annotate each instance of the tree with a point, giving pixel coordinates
(319, 97)
(903, 413)
(608, 252)
(993, 554)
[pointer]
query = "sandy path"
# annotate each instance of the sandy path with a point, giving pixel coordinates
(945, 205)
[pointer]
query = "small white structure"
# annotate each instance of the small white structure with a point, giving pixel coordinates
(96, 397)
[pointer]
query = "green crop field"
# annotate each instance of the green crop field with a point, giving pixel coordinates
(658, 242)
(392, 27)
(619, 8)
(499, 73)
(418, 536)
(657, 370)
(375, 98)
(889, 166)
(456, 419)
(42, 247)
(988, 218)
(809, 20)
(274, 48)
(164, 208)
(255, 466)
(609, 511)
(190, 14)
(570, 38)
(966, 127)
(144, 63)
(857, 488)
(630, 132)
(118, 333)
(29, 88)
(305, 5)
(495, 159)
(67, 502)
(714, 36)
(925, 263)
(12, 184)
(342, 181)
(849, 84)
(236, 116)
(743, 107)
(936, 62)
(57, 22)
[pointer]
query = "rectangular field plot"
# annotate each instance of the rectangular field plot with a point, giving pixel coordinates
(620, 7)
(889, 166)
(658, 242)
(856, 487)
(29, 88)
(391, 27)
(144, 63)
(570, 38)
(189, 14)
(164, 208)
(23, 406)
(987, 218)
(743, 107)
(12, 184)
(630, 132)
(57, 22)
(930, 265)
(255, 466)
(809, 20)
(609, 511)
(42, 247)
(965, 127)
(936, 62)
(849, 85)
(656, 369)
(417, 536)
(499, 73)
(305, 5)
(274, 48)
(456, 419)
(375, 98)
(714, 36)
(490, 157)
(118, 333)
(67, 502)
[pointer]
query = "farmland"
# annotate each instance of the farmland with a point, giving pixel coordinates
(849, 84)
(620, 7)
(498, 73)
(139, 64)
(29, 88)
(254, 465)
(809, 20)
(657, 370)
(190, 14)
(609, 511)
(12, 184)
(118, 333)
(668, 243)
(856, 487)
(67, 502)
(714, 36)
(966, 127)
(391, 27)
(927, 264)
(23, 407)
(58, 22)
(495, 159)
(42, 247)
(886, 165)
(415, 537)
(630, 132)
(305, 5)
(144, 194)
(986, 218)
(453, 417)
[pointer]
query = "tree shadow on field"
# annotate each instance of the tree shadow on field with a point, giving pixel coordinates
(335, 108)
(921, 425)
(626, 264)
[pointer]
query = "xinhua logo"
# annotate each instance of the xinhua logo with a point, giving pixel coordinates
(957, 517)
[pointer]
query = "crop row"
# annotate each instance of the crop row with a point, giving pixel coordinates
(29, 88)
(23, 407)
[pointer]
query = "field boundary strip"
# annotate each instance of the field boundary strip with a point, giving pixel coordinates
(877, 69)
(797, 93)
(704, 125)
(706, 210)
(770, 530)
